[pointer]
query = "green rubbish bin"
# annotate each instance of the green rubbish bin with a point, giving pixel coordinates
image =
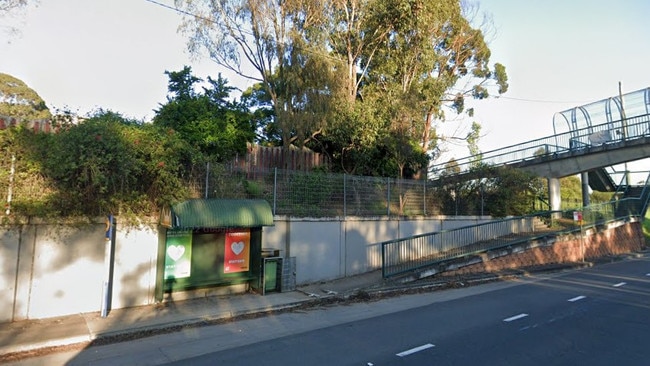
(271, 276)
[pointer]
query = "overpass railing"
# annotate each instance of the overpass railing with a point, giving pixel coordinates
(404, 255)
(606, 133)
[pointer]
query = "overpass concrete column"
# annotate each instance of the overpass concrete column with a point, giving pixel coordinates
(554, 193)
(584, 178)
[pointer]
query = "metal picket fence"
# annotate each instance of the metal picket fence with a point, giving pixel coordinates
(420, 251)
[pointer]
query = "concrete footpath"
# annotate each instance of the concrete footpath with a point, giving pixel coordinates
(120, 324)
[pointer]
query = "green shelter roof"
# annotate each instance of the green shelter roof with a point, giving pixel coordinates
(221, 213)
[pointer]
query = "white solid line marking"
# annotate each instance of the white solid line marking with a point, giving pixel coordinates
(620, 284)
(577, 298)
(416, 349)
(523, 315)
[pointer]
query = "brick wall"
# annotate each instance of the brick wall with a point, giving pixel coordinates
(625, 238)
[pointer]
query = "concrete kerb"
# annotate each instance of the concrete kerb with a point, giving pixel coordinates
(166, 327)
(50, 344)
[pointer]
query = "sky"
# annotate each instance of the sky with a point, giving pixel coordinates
(87, 54)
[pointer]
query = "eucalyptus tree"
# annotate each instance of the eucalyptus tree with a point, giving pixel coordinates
(432, 58)
(358, 138)
(355, 35)
(277, 44)
(408, 62)
(355, 78)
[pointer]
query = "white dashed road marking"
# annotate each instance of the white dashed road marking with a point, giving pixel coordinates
(414, 350)
(620, 284)
(523, 315)
(577, 298)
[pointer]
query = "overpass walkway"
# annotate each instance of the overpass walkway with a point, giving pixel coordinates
(589, 140)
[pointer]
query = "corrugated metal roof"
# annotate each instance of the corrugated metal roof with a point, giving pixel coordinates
(221, 213)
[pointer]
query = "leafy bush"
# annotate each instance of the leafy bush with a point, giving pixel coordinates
(106, 164)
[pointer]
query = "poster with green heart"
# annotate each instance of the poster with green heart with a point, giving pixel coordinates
(178, 254)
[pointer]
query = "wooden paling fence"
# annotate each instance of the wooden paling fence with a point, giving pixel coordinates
(263, 157)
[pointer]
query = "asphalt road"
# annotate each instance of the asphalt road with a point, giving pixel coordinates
(595, 316)
(598, 316)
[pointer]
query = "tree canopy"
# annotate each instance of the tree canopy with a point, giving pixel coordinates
(219, 128)
(358, 80)
(20, 101)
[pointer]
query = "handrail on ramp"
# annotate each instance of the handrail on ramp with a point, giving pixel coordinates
(404, 255)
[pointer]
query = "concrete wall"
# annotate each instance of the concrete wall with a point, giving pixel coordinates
(9, 261)
(333, 248)
(134, 277)
(49, 270)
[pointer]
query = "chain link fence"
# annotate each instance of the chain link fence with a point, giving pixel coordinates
(320, 194)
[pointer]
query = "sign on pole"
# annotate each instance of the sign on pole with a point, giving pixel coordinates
(577, 217)
(108, 254)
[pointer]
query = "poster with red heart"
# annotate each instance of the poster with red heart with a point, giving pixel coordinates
(237, 251)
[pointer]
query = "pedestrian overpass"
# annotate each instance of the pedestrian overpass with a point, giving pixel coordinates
(590, 140)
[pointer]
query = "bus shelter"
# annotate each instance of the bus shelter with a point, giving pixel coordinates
(211, 243)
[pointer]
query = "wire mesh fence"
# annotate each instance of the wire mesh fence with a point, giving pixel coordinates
(320, 194)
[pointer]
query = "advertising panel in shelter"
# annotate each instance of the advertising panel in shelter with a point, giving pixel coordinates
(237, 251)
(178, 254)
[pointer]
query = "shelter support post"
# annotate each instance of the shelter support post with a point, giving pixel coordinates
(584, 178)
